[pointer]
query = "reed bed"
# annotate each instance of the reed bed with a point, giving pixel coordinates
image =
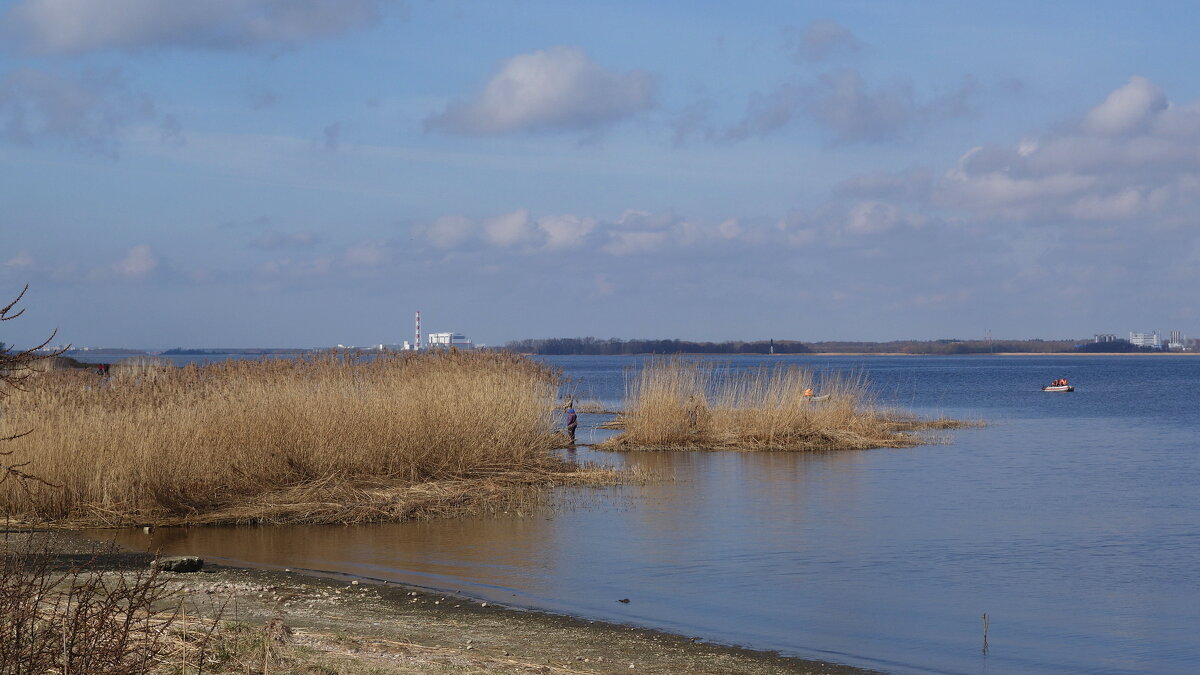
(333, 438)
(690, 404)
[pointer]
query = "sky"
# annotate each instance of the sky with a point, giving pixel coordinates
(304, 173)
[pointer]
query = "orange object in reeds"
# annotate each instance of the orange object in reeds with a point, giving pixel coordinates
(692, 404)
(322, 439)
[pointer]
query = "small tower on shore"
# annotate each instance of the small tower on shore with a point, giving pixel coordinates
(417, 341)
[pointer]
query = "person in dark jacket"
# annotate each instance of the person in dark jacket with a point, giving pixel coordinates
(572, 422)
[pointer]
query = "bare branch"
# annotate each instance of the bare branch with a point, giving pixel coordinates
(9, 307)
(15, 367)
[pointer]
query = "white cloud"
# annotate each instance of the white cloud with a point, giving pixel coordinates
(645, 220)
(138, 263)
(729, 228)
(1119, 205)
(76, 26)
(508, 229)
(841, 102)
(20, 261)
(449, 231)
(553, 89)
(1127, 108)
(624, 243)
(632, 232)
(369, 254)
(873, 218)
(565, 231)
(1132, 156)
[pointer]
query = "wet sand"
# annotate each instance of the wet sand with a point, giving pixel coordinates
(362, 627)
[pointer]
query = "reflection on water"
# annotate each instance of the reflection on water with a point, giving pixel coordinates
(1070, 520)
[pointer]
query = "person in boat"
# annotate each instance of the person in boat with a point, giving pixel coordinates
(808, 393)
(572, 422)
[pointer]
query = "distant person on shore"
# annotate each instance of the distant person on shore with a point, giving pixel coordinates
(572, 422)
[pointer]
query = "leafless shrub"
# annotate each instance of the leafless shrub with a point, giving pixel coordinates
(77, 619)
(16, 366)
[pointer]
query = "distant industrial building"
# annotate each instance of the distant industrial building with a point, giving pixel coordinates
(448, 340)
(1177, 342)
(1150, 340)
(436, 340)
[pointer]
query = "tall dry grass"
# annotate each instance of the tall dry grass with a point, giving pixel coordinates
(683, 404)
(284, 440)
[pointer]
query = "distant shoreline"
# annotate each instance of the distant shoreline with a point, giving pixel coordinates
(965, 356)
(1003, 354)
(73, 354)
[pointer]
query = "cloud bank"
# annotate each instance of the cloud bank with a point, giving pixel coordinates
(1131, 158)
(89, 110)
(63, 27)
(552, 89)
(841, 103)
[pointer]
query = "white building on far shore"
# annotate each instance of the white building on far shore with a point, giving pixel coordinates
(448, 340)
(1151, 340)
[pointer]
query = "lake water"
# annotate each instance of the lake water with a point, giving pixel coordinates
(1072, 520)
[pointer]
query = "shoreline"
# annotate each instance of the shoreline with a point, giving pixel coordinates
(741, 355)
(355, 624)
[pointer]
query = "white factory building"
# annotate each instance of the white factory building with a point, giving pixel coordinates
(437, 340)
(1151, 340)
(448, 340)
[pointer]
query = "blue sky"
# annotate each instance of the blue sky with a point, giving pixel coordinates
(311, 172)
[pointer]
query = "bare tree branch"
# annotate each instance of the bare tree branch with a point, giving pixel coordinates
(15, 367)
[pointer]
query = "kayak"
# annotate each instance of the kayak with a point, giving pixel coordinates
(1061, 387)
(823, 397)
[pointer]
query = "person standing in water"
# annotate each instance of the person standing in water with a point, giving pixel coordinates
(572, 422)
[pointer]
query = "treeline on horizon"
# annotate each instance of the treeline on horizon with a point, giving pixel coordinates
(616, 346)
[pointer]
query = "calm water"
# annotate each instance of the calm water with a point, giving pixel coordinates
(1073, 520)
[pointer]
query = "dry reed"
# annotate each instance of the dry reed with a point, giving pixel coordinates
(324, 439)
(689, 404)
